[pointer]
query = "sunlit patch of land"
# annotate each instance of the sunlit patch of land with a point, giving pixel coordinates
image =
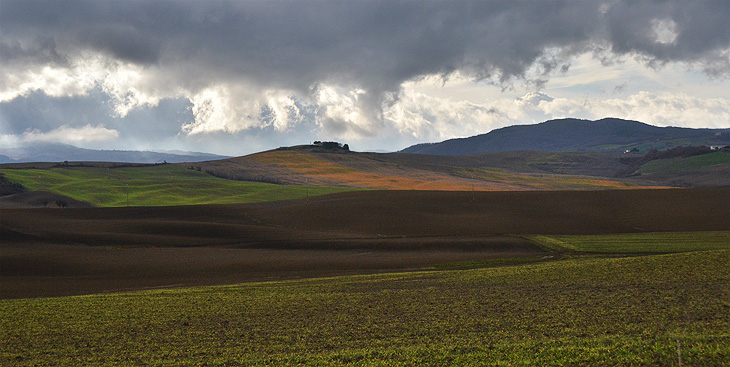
(154, 186)
(654, 242)
(679, 164)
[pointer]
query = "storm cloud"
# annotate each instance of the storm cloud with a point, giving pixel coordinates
(336, 67)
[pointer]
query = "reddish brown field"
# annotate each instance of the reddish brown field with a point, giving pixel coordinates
(54, 252)
(396, 171)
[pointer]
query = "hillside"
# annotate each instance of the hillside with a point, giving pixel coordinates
(303, 171)
(395, 171)
(513, 170)
(605, 135)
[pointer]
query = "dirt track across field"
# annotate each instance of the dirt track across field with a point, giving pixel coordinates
(55, 252)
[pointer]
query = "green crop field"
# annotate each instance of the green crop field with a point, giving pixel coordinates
(661, 310)
(684, 164)
(663, 242)
(154, 186)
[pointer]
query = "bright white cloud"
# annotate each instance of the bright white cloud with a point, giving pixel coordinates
(285, 111)
(128, 85)
(132, 86)
(346, 113)
(431, 118)
(54, 81)
(9, 141)
(224, 108)
(663, 109)
(71, 135)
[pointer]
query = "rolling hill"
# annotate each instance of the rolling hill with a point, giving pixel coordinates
(395, 171)
(512, 170)
(302, 171)
(605, 135)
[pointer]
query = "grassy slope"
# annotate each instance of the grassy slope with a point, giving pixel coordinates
(624, 311)
(154, 185)
(658, 242)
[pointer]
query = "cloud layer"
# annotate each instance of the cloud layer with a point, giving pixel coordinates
(338, 68)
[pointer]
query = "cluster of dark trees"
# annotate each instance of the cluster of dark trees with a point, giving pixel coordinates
(59, 203)
(331, 145)
(683, 152)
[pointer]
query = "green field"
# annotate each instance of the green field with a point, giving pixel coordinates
(685, 164)
(154, 186)
(668, 242)
(640, 311)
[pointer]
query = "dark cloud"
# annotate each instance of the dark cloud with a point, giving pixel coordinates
(702, 32)
(125, 44)
(375, 46)
(372, 44)
(41, 51)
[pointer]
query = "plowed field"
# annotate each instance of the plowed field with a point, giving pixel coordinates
(53, 252)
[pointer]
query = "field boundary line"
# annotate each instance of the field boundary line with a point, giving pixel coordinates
(551, 244)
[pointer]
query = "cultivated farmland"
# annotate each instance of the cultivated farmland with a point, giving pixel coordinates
(152, 185)
(79, 251)
(641, 311)
(415, 277)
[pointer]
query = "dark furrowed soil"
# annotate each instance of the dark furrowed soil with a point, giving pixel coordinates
(54, 252)
(414, 213)
(42, 270)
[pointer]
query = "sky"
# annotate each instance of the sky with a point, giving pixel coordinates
(238, 77)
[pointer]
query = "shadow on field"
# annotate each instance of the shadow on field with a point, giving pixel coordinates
(87, 250)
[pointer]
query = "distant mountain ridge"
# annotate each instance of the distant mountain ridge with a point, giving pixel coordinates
(62, 152)
(605, 135)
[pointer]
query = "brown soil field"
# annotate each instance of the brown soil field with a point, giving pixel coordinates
(55, 252)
